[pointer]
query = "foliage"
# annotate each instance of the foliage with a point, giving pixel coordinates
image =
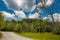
(29, 25)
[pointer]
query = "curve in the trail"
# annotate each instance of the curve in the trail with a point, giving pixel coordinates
(12, 36)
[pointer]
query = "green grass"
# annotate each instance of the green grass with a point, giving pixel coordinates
(0, 34)
(43, 36)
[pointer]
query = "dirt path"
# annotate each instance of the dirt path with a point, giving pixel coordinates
(12, 36)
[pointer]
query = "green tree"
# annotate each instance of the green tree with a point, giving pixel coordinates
(1, 21)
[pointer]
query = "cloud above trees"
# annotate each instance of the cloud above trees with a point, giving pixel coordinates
(7, 15)
(56, 17)
(25, 5)
(20, 14)
(34, 16)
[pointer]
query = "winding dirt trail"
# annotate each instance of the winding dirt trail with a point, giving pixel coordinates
(12, 36)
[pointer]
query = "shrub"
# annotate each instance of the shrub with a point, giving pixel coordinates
(0, 34)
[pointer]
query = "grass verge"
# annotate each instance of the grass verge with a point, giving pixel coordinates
(43, 36)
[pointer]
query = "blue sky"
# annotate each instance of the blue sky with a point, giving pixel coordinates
(56, 9)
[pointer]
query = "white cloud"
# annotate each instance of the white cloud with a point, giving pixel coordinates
(49, 2)
(49, 18)
(29, 5)
(40, 4)
(33, 7)
(7, 15)
(38, 7)
(26, 5)
(11, 4)
(56, 17)
(45, 18)
(20, 14)
(34, 16)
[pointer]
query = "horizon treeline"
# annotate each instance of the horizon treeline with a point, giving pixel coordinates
(29, 25)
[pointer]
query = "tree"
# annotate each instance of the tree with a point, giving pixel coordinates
(44, 6)
(57, 28)
(1, 21)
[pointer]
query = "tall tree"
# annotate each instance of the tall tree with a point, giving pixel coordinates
(1, 21)
(43, 5)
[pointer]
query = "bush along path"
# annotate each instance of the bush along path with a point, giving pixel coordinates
(0, 35)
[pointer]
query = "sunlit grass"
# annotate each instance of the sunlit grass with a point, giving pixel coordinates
(42, 36)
